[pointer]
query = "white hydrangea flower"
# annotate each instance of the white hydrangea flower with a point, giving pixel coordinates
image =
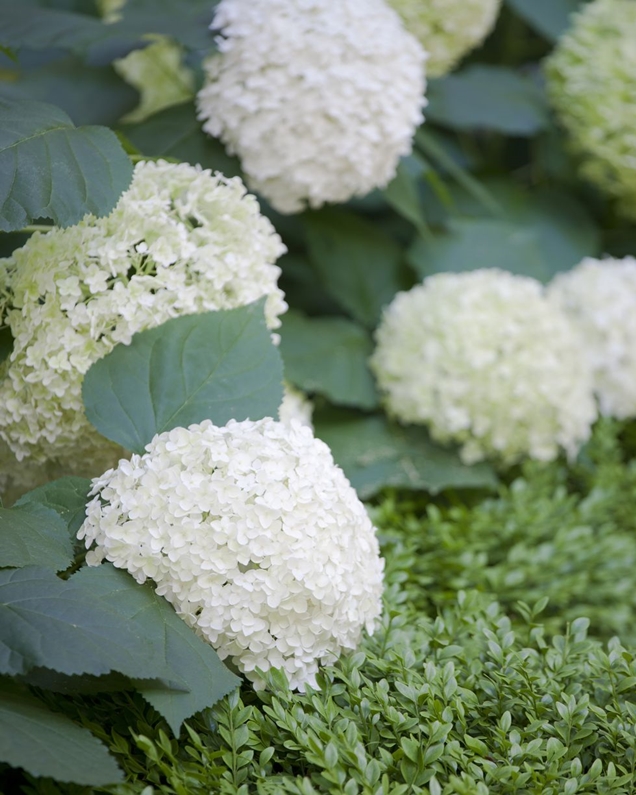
(253, 534)
(591, 81)
(484, 359)
(160, 76)
(318, 99)
(447, 29)
(600, 298)
(180, 241)
(295, 406)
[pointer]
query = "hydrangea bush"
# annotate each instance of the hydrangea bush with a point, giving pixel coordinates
(447, 30)
(180, 241)
(224, 622)
(318, 100)
(482, 358)
(253, 534)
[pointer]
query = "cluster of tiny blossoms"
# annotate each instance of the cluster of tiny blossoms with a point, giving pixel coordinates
(295, 406)
(253, 534)
(592, 86)
(180, 241)
(318, 99)
(486, 360)
(447, 29)
(600, 298)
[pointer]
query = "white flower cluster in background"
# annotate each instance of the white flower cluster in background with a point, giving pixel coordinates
(486, 360)
(600, 298)
(180, 241)
(447, 29)
(591, 81)
(159, 74)
(254, 535)
(319, 99)
(295, 406)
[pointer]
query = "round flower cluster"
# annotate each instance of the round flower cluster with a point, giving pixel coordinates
(484, 359)
(318, 99)
(253, 534)
(295, 406)
(591, 80)
(180, 241)
(600, 298)
(447, 29)
(158, 73)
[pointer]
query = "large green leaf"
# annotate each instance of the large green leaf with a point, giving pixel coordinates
(73, 86)
(215, 365)
(537, 235)
(66, 496)
(45, 743)
(32, 24)
(176, 132)
(374, 452)
(357, 262)
(34, 536)
(53, 623)
(51, 169)
(551, 18)
(185, 657)
(329, 355)
(488, 97)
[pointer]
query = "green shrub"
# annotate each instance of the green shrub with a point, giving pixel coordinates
(565, 534)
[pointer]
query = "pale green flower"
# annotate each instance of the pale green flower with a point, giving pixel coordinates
(600, 298)
(485, 360)
(447, 29)
(180, 241)
(591, 79)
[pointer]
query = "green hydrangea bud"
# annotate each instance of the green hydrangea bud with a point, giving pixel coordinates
(592, 86)
(447, 29)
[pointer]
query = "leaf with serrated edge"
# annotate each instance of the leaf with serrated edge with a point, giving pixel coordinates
(34, 536)
(49, 622)
(182, 653)
(51, 169)
(215, 365)
(66, 496)
(46, 743)
(329, 355)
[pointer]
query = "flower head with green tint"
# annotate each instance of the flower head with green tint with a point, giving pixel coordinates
(447, 29)
(600, 298)
(485, 360)
(592, 86)
(180, 241)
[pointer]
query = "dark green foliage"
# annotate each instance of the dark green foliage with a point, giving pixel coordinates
(176, 133)
(66, 496)
(488, 97)
(50, 744)
(357, 263)
(329, 355)
(374, 453)
(51, 169)
(34, 536)
(214, 365)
